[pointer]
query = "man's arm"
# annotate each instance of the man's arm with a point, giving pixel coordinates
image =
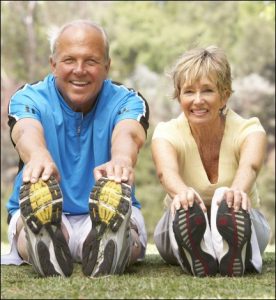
(28, 136)
(127, 139)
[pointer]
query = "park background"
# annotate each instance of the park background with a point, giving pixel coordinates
(146, 38)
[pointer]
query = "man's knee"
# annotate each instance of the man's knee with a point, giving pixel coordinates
(22, 241)
(136, 247)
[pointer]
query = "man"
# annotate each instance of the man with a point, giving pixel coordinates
(78, 135)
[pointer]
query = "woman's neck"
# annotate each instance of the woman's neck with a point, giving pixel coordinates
(208, 133)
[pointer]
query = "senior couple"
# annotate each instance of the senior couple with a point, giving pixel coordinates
(78, 135)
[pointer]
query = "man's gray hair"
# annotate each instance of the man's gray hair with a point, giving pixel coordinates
(55, 32)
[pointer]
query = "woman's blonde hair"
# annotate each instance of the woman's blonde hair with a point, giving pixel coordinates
(200, 62)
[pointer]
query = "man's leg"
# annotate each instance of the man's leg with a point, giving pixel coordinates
(22, 242)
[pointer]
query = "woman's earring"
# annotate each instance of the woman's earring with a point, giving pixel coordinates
(223, 111)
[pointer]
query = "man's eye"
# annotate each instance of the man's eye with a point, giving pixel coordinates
(68, 60)
(91, 62)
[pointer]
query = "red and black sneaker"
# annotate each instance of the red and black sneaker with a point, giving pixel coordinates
(189, 228)
(235, 229)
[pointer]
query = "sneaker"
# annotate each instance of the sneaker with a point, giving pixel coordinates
(189, 228)
(106, 249)
(235, 229)
(41, 211)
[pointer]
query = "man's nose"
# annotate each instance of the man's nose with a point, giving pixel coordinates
(79, 68)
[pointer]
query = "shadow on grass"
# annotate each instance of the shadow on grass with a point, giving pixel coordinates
(152, 266)
(151, 279)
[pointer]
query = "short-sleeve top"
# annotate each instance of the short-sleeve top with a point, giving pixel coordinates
(177, 132)
(77, 142)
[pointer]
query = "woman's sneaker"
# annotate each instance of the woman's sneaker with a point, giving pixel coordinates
(189, 228)
(235, 229)
(41, 211)
(106, 249)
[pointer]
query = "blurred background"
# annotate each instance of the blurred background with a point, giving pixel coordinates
(146, 38)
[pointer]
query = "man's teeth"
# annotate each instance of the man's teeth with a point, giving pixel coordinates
(79, 82)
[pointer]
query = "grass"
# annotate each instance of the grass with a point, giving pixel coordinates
(151, 279)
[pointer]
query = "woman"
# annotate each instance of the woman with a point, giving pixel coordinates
(208, 160)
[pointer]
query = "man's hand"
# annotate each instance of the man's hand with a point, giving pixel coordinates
(40, 165)
(118, 169)
(127, 138)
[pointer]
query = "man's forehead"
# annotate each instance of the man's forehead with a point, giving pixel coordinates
(79, 30)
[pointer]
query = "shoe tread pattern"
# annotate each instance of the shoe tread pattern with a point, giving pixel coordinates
(235, 228)
(109, 203)
(41, 207)
(189, 228)
(41, 203)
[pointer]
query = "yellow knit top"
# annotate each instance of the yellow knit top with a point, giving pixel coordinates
(177, 132)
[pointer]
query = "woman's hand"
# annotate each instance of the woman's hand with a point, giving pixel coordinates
(186, 199)
(237, 199)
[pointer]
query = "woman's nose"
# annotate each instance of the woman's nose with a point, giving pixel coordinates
(197, 97)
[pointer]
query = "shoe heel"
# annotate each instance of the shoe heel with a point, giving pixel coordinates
(41, 210)
(189, 228)
(110, 205)
(235, 229)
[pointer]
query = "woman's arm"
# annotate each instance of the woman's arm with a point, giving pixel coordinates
(165, 159)
(252, 155)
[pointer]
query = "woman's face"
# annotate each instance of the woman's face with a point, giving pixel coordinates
(201, 102)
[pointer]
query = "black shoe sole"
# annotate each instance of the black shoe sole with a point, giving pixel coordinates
(235, 229)
(41, 210)
(189, 228)
(109, 203)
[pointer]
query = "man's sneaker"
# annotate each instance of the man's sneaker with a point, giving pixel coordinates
(189, 228)
(41, 211)
(106, 249)
(235, 229)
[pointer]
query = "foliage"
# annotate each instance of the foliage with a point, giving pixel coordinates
(146, 37)
(155, 34)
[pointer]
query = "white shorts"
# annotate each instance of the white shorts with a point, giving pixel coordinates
(78, 227)
(259, 238)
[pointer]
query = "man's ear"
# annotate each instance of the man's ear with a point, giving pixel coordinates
(107, 66)
(52, 64)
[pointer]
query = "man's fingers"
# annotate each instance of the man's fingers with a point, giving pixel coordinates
(98, 173)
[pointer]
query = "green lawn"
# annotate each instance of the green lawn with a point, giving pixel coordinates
(151, 279)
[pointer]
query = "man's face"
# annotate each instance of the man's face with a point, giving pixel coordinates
(80, 66)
